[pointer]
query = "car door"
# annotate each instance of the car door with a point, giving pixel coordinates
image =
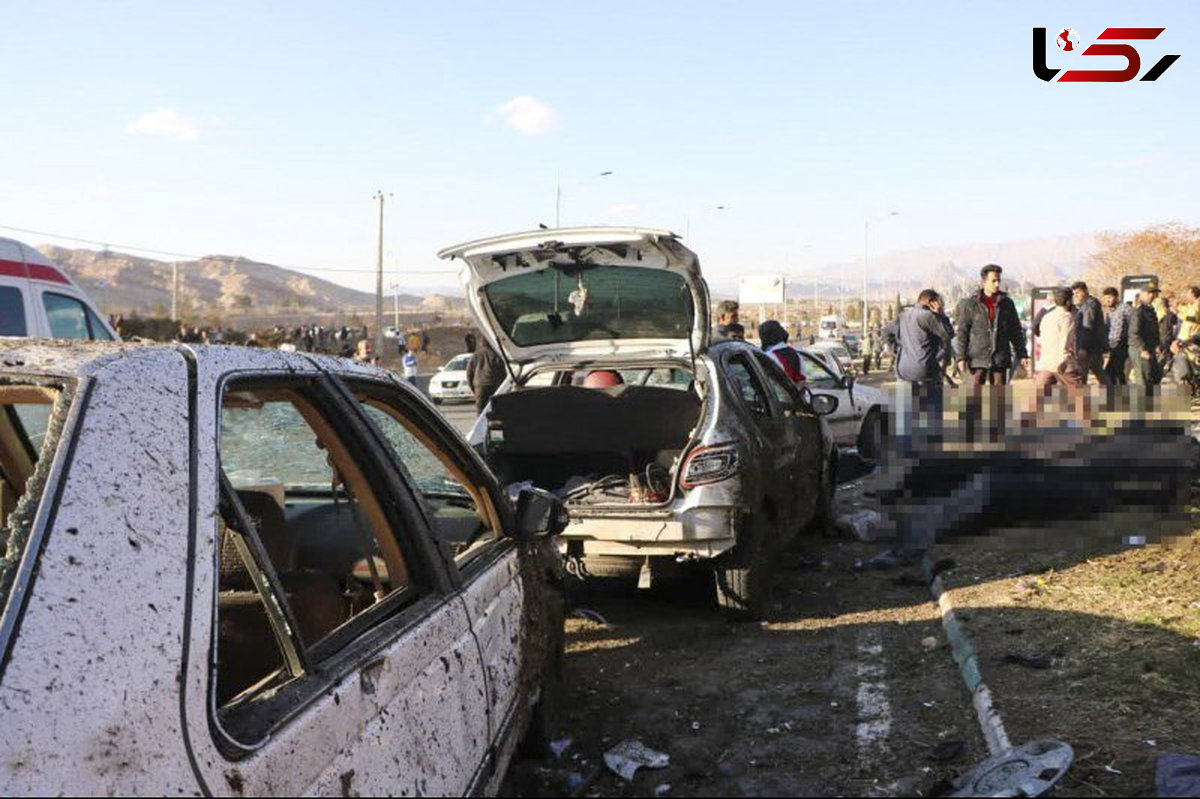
(802, 435)
(765, 424)
(331, 654)
(468, 518)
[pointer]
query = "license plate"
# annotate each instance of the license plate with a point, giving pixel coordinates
(450, 384)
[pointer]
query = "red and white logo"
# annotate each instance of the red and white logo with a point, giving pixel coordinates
(1068, 40)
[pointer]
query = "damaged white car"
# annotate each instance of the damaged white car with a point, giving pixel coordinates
(235, 571)
(667, 450)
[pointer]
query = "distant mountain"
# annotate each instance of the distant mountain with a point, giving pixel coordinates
(216, 284)
(1039, 261)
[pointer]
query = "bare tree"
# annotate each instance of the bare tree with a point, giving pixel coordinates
(1171, 251)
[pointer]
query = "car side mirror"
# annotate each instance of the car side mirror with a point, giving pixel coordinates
(824, 404)
(539, 513)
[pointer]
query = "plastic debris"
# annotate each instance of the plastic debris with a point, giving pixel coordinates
(558, 747)
(1112, 770)
(627, 757)
(860, 523)
(930, 642)
(1177, 775)
(591, 615)
(659, 790)
(695, 725)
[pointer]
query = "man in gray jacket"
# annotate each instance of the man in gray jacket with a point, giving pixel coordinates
(921, 342)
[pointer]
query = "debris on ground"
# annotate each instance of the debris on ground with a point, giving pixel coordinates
(860, 523)
(929, 642)
(1039, 662)
(557, 748)
(628, 756)
(1178, 775)
(947, 751)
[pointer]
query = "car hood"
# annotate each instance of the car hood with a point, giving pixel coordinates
(571, 294)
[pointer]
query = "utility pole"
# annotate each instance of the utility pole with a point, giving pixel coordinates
(557, 198)
(379, 195)
(174, 291)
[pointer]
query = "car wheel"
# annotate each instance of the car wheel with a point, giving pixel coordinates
(870, 436)
(825, 515)
(742, 575)
(544, 715)
(436, 400)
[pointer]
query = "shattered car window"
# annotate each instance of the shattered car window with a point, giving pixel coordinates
(271, 442)
(600, 302)
(27, 441)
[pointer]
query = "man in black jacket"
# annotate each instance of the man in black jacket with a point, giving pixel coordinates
(485, 373)
(1091, 337)
(989, 332)
(1144, 339)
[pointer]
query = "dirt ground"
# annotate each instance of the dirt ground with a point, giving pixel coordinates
(850, 688)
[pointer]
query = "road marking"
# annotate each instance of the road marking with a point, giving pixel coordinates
(874, 710)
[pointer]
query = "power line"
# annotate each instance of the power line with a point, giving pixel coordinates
(192, 257)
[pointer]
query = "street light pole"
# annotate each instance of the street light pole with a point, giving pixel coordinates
(866, 239)
(379, 195)
(174, 291)
(558, 195)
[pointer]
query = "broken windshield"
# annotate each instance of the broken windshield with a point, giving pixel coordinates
(564, 304)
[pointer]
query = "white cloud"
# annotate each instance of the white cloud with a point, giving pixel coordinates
(168, 124)
(1138, 162)
(528, 115)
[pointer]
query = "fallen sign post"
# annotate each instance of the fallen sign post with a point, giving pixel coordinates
(1028, 770)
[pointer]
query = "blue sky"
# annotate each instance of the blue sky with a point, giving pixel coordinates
(263, 129)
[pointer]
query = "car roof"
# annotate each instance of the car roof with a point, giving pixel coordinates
(62, 358)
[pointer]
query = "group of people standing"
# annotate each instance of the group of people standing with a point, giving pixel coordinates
(1078, 338)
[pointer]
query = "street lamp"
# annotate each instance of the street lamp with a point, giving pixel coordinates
(866, 237)
(558, 194)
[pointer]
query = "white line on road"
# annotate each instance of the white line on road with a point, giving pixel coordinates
(874, 710)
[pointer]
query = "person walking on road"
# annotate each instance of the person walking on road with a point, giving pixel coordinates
(1116, 322)
(868, 352)
(485, 373)
(1091, 338)
(409, 363)
(1145, 340)
(920, 342)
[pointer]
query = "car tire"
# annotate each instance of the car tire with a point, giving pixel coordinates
(742, 576)
(544, 715)
(436, 400)
(826, 513)
(870, 435)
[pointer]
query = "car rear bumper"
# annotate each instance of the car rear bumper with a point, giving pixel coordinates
(700, 533)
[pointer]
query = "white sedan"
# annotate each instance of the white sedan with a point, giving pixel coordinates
(860, 417)
(449, 384)
(231, 571)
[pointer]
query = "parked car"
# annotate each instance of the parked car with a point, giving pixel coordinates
(241, 571)
(829, 327)
(860, 419)
(39, 300)
(690, 453)
(853, 344)
(450, 382)
(831, 353)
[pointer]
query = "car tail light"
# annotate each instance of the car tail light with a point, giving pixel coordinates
(709, 464)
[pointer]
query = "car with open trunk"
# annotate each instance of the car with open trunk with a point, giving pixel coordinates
(667, 450)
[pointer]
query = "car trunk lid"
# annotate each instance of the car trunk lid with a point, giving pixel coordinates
(576, 294)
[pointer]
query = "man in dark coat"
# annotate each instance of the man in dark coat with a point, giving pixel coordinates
(1144, 339)
(989, 332)
(1091, 336)
(989, 335)
(485, 372)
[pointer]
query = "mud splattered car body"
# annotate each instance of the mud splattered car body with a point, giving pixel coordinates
(175, 623)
